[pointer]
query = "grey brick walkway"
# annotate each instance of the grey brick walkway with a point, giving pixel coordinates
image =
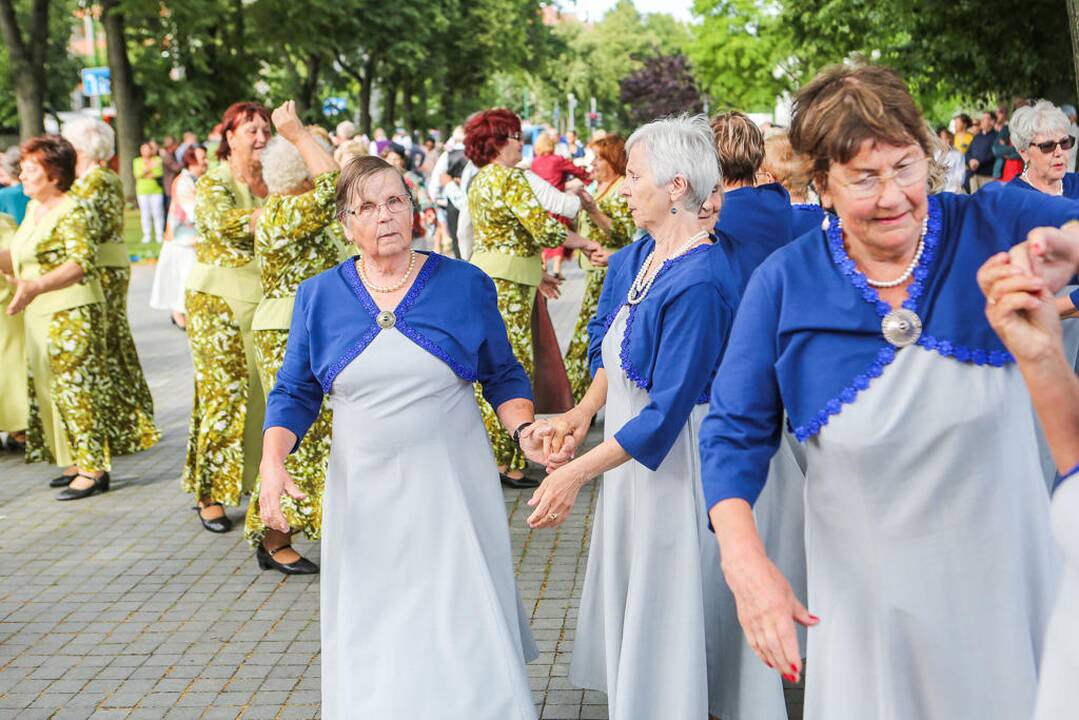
(121, 606)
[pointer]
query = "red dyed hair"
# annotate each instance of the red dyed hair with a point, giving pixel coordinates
(612, 148)
(487, 132)
(235, 116)
(56, 157)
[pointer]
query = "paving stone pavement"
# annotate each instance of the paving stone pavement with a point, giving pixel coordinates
(121, 606)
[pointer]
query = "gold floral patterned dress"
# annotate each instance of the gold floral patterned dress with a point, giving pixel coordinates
(13, 398)
(613, 205)
(224, 442)
(297, 238)
(511, 229)
(69, 386)
(131, 407)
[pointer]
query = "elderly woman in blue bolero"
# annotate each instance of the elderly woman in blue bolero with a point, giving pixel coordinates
(656, 629)
(420, 614)
(929, 557)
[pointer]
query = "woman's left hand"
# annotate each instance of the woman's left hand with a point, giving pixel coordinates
(1020, 308)
(555, 496)
(25, 292)
(549, 287)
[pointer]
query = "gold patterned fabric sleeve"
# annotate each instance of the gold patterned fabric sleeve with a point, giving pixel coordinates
(525, 206)
(287, 217)
(225, 236)
(71, 241)
(102, 191)
(623, 228)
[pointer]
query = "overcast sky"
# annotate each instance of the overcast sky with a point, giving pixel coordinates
(594, 9)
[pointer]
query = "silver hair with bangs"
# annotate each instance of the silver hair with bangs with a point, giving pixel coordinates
(1041, 118)
(685, 146)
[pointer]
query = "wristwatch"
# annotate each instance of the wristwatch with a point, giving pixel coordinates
(517, 432)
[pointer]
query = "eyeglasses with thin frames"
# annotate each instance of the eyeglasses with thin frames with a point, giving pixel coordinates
(396, 204)
(904, 175)
(1047, 147)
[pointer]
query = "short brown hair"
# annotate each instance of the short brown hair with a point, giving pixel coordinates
(612, 148)
(740, 144)
(236, 115)
(356, 174)
(56, 157)
(845, 105)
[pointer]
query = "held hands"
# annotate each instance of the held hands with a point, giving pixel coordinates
(587, 201)
(601, 257)
(287, 121)
(1020, 306)
(1050, 253)
(275, 481)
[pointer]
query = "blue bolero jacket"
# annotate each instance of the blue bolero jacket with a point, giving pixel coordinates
(451, 311)
(807, 338)
(672, 344)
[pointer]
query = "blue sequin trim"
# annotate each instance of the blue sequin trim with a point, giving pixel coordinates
(411, 333)
(429, 345)
(806, 206)
(886, 354)
(631, 372)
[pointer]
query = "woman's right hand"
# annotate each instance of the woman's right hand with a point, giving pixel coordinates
(767, 611)
(574, 241)
(275, 482)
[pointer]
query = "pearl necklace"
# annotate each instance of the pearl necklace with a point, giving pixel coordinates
(910, 268)
(392, 288)
(1026, 179)
(638, 290)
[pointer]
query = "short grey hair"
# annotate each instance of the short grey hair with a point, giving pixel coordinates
(685, 146)
(283, 168)
(10, 161)
(345, 130)
(1043, 117)
(91, 137)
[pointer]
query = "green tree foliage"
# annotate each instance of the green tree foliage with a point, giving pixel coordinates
(61, 69)
(739, 51)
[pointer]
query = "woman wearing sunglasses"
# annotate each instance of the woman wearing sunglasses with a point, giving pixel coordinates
(931, 570)
(1041, 134)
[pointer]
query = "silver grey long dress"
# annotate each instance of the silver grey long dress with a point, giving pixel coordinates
(657, 628)
(420, 614)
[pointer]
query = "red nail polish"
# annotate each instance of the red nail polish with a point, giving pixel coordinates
(769, 664)
(794, 669)
(814, 618)
(790, 678)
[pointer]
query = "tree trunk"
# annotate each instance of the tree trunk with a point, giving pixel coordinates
(1073, 25)
(423, 110)
(408, 104)
(125, 94)
(389, 107)
(308, 95)
(448, 103)
(366, 82)
(27, 69)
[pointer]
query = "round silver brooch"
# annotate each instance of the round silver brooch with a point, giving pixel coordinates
(901, 327)
(386, 319)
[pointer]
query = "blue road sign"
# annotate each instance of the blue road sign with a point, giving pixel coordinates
(334, 106)
(96, 81)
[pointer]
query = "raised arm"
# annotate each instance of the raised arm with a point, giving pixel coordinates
(318, 159)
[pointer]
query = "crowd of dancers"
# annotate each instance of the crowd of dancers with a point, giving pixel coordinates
(821, 381)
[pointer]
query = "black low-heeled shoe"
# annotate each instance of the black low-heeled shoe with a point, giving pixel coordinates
(101, 484)
(62, 481)
(217, 525)
(303, 566)
(14, 445)
(517, 483)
